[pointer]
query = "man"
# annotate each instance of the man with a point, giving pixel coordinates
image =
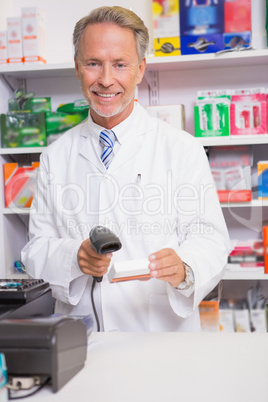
(151, 185)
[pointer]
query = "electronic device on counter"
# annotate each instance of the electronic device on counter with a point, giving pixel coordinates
(54, 348)
(25, 298)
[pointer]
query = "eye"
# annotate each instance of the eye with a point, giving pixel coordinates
(92, 65)
(120, 65)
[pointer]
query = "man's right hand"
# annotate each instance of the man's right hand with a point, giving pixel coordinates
(90, 262)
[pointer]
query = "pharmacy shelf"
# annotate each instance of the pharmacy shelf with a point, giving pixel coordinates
(253, 203)
(168, 63)
(238, 276)
(18, 151)
(16, 211)
(208, 60)
(234, 140)
(23, 71)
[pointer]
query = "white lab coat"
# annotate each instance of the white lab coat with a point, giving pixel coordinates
(158, 192)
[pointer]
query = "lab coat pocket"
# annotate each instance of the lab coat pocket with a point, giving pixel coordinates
(161, 316)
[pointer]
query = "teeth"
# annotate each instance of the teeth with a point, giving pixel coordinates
(106, 95)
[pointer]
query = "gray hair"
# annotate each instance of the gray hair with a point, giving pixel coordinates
(117, 15)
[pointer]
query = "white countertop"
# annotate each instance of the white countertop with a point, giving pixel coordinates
(163, 367)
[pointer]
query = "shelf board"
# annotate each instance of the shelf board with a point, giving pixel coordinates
(39, 70)
(208, 60)
(14, 151)
(242, 276)
(253, 203)
(166, 63)
(16, 211)
(234, 140)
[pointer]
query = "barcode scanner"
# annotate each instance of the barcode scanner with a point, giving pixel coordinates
(103, 241)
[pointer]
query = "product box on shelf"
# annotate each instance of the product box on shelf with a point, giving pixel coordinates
(236, 40)
(246, 256)
(33, 35)
(66, 116)
(248, 111)
(3, 47)
(203, 43)
(199, 17)
(166, 27)
(14, 40)
(231, 170)
(26, 102)
(262, 170)
(211, 114)
(19, 184)
(265, 247)
(3, 379)
(23, 130)
(172, 114)
(209, 315)
(237, 15)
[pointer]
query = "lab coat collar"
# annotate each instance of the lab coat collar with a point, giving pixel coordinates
(129, 134)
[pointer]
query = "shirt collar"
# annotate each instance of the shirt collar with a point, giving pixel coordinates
(121, 130)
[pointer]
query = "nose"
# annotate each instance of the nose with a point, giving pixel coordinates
(106, 77)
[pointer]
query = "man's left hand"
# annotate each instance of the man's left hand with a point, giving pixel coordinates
(167, 266)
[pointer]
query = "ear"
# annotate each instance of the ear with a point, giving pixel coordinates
(76, 67)
(142, 67)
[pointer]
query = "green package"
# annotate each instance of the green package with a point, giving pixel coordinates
(23, 130)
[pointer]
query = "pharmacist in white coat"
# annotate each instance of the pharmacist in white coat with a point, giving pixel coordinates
(156, 194)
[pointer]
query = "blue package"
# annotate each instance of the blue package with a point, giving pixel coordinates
(201, 17)
(263, 184)
(3, 376)
(199, 44)
(236, 40)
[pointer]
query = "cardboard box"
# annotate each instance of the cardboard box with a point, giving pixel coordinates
(19, 184)
(237, 15)
(211, 113)
(199, 44)
(122, 271)
(166, 27)
(248, 111)
(167, 46)
(3, 47)
(14, 40)
(231, 169)
(172, 114)
(262, 169)
(33, 34)
(198, 18)
(236, 40)
(209, 316)
(23, 130)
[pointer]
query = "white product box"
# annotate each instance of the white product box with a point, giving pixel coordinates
(3, 47)
(14, 40)
(172, 114)
(33, 35)
(129, 270)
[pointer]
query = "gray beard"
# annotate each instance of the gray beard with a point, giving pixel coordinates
(114, 113)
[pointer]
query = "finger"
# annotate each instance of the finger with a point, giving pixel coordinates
(163, 258)
(160, 254)
(166, 272)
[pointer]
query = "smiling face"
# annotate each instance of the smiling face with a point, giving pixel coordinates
(108, 68)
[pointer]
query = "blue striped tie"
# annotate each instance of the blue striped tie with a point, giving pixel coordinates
(107, 138)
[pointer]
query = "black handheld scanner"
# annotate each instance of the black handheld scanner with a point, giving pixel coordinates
(103, 241)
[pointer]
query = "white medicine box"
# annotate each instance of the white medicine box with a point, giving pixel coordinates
(33, 35)
(14, 40)
(3, 47)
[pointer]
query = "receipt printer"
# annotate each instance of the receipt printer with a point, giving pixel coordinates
(54, 347)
